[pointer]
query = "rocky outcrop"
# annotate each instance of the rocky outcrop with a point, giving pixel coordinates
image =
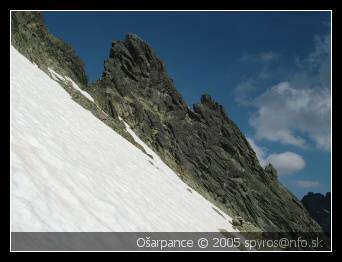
(200, 143)
(30, 37)
(319, 207)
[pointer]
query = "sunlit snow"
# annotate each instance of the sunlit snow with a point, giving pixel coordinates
(57, 77)
(71, 172)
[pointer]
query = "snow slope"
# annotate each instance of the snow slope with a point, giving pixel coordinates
(70, 172)
(57, 77)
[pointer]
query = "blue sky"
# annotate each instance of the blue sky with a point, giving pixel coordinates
(270, 70)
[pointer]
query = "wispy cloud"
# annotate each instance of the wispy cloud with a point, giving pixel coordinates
(243, 92)
(306, 184)
(283, 111)
(321, 53)
(264, 73)
(262, 57)
(294, 110)
(286, 163)
(268, 56)
(265, 61)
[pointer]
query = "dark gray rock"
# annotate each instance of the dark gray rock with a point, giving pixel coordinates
(271, 171)
(31, 38)
(319, 207)
(238, 221)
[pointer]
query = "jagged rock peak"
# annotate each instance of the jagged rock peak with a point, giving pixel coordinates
(135, 46)
(269, 169)
(136, 58)
(208, 101)
(134, 37)
(137, 41)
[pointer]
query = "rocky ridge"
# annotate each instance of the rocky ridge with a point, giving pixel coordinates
(202, 144)
(319, 207)
(30, 36)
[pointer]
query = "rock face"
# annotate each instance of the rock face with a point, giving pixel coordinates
(201, 144)
(319, 207)
(31, 37)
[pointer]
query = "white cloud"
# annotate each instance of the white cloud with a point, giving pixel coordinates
(307, 184)
(259, 151)
(286, 163)
(295, 111)
(284, 112)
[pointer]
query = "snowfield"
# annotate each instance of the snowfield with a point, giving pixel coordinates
(71, 172)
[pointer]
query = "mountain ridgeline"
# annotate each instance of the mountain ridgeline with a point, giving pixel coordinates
(319, 207)
(30, 36)
(202, 144)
